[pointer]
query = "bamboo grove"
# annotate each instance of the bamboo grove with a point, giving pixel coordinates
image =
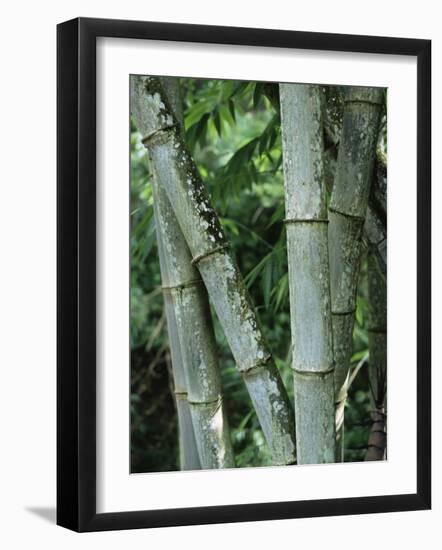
(315, 157)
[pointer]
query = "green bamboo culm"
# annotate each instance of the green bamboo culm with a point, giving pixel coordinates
(347, 210)
(191, 335)
(377, 367)
(308, 262)
(177, 174)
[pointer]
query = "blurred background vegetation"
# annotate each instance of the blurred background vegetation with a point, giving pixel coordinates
(233, 133)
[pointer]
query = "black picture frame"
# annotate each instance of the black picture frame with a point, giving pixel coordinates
(76, 273)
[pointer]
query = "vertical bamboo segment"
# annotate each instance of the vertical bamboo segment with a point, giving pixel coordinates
(183, 289)
(347, 211)
(188, 314)
(178, 176)
(188, 451)
(377, 368)
(189, 457)
(307, 250)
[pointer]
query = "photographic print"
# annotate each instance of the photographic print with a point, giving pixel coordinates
(222, 274)
(258, 273)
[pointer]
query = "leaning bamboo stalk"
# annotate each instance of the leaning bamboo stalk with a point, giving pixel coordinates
(347, 211)
(189, 315)
(377, 367)
(178, 176)
(308, 262)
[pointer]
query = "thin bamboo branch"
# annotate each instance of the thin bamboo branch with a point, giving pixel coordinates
(178, 176)
(191, 334)
(347, 212)
(306, 226)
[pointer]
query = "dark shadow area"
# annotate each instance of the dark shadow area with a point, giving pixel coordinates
(46, 513)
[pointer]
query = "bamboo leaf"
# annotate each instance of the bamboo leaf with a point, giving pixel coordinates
(278, 215)
(267, 281)
(281, 291)
(217, 122)
(232, 109)
(257, 94)
(251, 277)
(239, 88)
(227, 87)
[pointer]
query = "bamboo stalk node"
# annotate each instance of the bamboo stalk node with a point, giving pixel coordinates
(313, 372)
(349, 312)
(377, 330)
(255, 365)
(181, 285)
(205, 255)
(209, 402)
(366, 101)
(156, 135)
(346, 214)
(305, 220)
(364, 94)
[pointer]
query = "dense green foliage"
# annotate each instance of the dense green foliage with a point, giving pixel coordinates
(233, 133)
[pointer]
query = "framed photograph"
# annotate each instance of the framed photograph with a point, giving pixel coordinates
(225, 200)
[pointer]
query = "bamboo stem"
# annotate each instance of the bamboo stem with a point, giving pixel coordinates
(178, 176)
(189, 457)
(347, 212)
(375, 228)
(188, 450)
(375, 231)
(191, 331)
(196, 342)
(377, 367)
(306, 213)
